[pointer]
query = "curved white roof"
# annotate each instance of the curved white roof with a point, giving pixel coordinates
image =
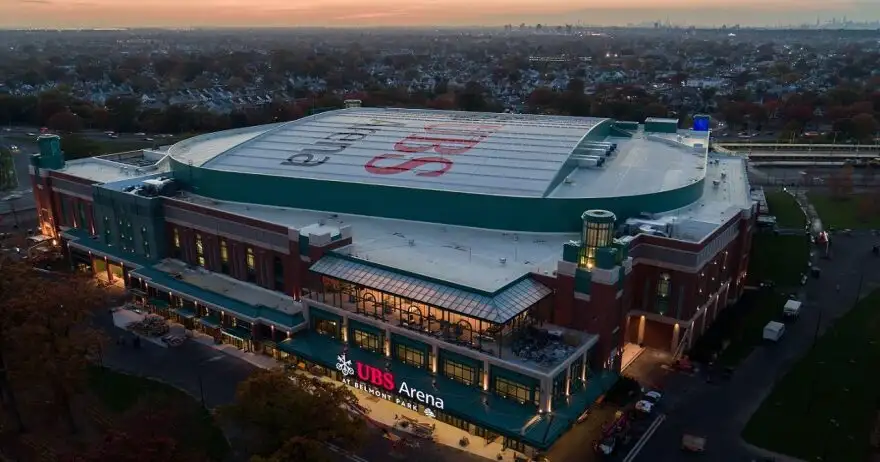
(504, 154)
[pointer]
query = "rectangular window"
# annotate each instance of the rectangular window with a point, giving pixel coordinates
(83, 222)
(663, 291)
(368, 341)
(62, 209)
(200, 250)
(459, 372)
(410, 356)
(278, 267)
(251, 261)
(515, 445)
(327, 327)
(454, 421)
(108, 233)
(224, 257)
(145, 238)
(509, 389)
(559, 385)
(175, 250)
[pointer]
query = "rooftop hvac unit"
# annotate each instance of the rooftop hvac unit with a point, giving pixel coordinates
(723, 175)
(587, 162)
(502, 260)
(715, 183)
(412, 242)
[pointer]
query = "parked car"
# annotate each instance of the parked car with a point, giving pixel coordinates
(648, 401)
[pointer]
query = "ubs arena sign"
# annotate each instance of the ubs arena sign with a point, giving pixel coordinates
(382, 385)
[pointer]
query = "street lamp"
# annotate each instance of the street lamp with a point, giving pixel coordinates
(10, 200)
(199, 376)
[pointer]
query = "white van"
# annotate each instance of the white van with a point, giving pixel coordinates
(773, 331)
(792, 309)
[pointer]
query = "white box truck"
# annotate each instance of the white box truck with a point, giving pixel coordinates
(773, 331)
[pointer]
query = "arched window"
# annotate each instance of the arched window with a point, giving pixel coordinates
(414, 316)
(371, 306)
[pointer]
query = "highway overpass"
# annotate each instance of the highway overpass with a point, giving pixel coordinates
(802, 154)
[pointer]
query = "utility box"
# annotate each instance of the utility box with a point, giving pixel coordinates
(657, 125)
(626, 125)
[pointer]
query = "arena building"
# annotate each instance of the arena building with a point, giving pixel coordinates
(484, 270)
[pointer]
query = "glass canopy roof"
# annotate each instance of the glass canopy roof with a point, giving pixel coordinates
(500, 307)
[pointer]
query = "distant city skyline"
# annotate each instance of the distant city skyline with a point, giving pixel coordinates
(352, 13)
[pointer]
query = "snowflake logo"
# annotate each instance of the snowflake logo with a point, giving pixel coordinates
(429, 413)
(343, 365)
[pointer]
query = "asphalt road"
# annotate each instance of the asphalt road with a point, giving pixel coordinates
(20, 133)
(720, 411)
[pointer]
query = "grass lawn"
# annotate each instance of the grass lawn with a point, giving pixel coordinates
(781, 259)
(827, 404)
(121, 392)
(786, 210)
(747, 330)
(843, 213)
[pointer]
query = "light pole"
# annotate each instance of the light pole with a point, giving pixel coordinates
(10, 200)
(199, 376)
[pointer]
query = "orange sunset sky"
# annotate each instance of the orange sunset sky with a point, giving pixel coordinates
(205, 13)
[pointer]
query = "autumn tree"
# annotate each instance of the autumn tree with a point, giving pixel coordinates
(65, 121)
(867, 208)
(864, 126)
(154, 431)
(46, 342)
(291, 418)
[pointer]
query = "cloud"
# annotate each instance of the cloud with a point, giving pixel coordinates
(377, 15)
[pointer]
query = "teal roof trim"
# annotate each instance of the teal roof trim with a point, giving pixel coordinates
(210, 321)
(212, 298)
(185, 312)
(500, 307)
(218, 301)
(238, 332)
(279, 318)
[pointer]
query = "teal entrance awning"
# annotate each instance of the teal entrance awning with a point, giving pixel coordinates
(232, 306)
(499, 415)
(210, 321)
(158, 303)
(185, 312)
(237, 332)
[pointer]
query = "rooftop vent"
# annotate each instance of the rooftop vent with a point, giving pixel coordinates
(412, 242)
